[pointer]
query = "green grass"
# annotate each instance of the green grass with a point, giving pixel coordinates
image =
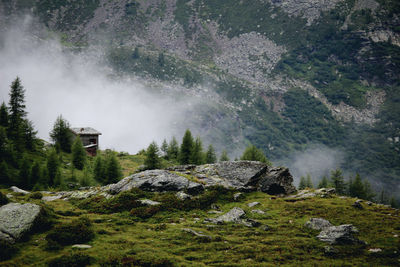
(121, 238)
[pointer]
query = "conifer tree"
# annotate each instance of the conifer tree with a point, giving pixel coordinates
(338, 181)
(35, 174)
(197, 156)
(99, 170)
(369, 193)
(24, 174)
(356, 187)
(61, 134)
(173, 149)
(17, 113)
(186, 148)
(309, 183)
(224, 156)
(29, 134)
(78, 154)
(3, 143)
(323, 183)
(211, 157)
(164, 149)
(113, 169)
(52, 167)
(254, 154)
(152, 160)
(4, 174)
(303, 183)
(3, 115)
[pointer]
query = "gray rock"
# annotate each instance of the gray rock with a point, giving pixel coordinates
(51, 198)
(149, 202)
(182, 195)
(235, 215)
(277, 181)
(265, 228)
(317, 224)
(375, 250)
(237, 196)
(358, 205)
(253, 204)
(258, 211)
(81, 246)
(18, 190)
(342, 234)
(16, 220)
(198, 234)
(155, 180)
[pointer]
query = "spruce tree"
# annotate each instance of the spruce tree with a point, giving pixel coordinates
(323, 183)
(173, 149)
(185, 152)
(78, 154)
(99, 170)
(309, 182)
(254, 154)
(356, 188)
(224, 156)
(338, 182)
(17, 113)
(197, 156)
(369, 193)
(52, 167)
(211, 157)
(164, 149)
(24, 174)
(4, 174)
(3, 115)
(303, 183)
(152, 160)
(3, 143)
(29, 134)
(113, 169)
(61, 134)
(35, 174)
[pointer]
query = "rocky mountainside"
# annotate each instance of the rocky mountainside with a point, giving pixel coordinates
(279, 74)
(232, 213)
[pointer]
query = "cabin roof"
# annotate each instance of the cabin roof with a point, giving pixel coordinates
(85, 131)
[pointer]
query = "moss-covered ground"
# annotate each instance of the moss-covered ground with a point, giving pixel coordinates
(123, 239)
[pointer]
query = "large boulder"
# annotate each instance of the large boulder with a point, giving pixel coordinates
(342, 234)
(156, 180)
(277, 181)
(318, 224)
(16, 220)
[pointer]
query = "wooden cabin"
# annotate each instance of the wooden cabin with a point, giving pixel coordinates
(89, 138)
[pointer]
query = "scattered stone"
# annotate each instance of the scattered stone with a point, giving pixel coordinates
(9, 195)
(369, 203)
(342, 234)
(358, 205)
(149, 202)
(258, 211)
(395, 235)
(317, 224)
(182, 195)
(51, 198)
(375, 250)
(330, 251)
(309, 193)
(265, 227)
(235, 215)
(16, 220)
(249, 223)
(18, 190)
(198, 234)
(215, 207)
(253, 204)
(81, 246)
(237, 196)
(214, 212)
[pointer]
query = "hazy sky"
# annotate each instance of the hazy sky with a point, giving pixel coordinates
(77, 87)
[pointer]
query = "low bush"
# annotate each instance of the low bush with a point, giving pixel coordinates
(72, 260)
(78, 231)
(3, 199)
(145, 212)
(35, 195)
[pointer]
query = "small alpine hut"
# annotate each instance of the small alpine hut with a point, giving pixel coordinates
(89, 138)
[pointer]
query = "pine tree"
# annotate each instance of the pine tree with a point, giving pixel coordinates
(393, 203)
(152, 160)
(323, 183)
(29, 134)
(4, 174)
(3, 143)
(17, 113)
(35, 174)
(224, 156)
(3, 115)
(254, 154)
(369, 193)
(197, 156)
(52, 167)
(173, 149)
(164, 149)
(24, 173)
(78, 154)
(61, 134)
(309, 183)
(356, 188)
(211, 157)
(113, 169)
(303, 183)
(338, 181)
(99, 170)
(186, 148)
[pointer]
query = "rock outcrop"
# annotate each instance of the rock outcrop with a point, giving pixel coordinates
(317, 224)
(342, 234)
(16, 220)
(235, 215)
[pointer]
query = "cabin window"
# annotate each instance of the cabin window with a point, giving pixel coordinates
(92, 141)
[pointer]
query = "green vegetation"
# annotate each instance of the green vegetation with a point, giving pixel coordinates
(253, 153)
(61, 134)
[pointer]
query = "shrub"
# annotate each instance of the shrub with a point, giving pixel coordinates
(72, 260)
(35, 195)
(145, 212)
(3, 199)
(78, 231)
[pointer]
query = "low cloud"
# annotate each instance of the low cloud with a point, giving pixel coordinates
(81, 88)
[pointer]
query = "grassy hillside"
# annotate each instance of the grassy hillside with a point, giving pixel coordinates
(154, 237)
